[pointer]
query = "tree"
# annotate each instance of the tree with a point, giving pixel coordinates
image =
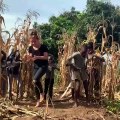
(52, 47)
(70, 21)
(45, 30)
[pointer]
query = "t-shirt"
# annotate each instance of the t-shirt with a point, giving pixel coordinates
(39, 52)
(78, 62)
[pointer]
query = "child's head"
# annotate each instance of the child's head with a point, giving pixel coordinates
(50, 59)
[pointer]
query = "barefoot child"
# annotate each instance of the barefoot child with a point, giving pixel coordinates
(49, 80)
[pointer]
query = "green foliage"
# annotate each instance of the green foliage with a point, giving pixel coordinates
(57, 78)
(44, 30)
(113, 106)
(52, 46)
(95, 7)
(73, 20)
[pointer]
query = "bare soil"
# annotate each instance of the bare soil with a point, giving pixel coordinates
(60, 110)
(65, 110)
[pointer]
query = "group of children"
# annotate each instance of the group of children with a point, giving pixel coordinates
(85, 68)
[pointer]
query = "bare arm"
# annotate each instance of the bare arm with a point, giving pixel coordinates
(44, 57)
(69, 59)
(72, 56)
(73, 65)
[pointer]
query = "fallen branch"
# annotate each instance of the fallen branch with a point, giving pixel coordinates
(66, 91)
(16, 110)
(99, 115)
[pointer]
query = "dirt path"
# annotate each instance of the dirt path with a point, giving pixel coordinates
(65, 111)
(62, 110)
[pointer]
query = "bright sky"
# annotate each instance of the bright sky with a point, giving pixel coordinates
(46, 8)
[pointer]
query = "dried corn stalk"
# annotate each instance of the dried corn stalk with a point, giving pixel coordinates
(110, 80)
(23, 35)
(91, 35)
(68, 49)
(1, 42)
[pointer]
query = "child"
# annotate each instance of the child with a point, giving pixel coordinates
(13, 71)
(49, 80)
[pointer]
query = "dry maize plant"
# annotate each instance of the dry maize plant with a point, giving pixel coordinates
(1, 44)
(26, 71)
(108, 72)
(110, 81)
(114, 66)
(67, 50)
(110, 69)
(93, 63)
(6, 45)
(5, 48)
(20, 41)
(2, 9)
(91, 35)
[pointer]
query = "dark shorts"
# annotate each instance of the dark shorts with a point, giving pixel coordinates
(13, 70)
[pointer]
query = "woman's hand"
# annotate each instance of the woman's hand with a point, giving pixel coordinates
(44, 57)
(27, 57)
(35, 58)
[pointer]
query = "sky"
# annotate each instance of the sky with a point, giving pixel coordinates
(46, 9)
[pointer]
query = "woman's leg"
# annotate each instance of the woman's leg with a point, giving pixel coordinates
(38, 73)
(38, 89)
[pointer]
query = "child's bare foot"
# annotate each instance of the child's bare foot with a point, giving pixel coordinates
(37, 104)
(75, 105)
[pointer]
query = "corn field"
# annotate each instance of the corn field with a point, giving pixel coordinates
(109, 72)
(21, 42)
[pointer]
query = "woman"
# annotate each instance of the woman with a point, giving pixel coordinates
(38, 53)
